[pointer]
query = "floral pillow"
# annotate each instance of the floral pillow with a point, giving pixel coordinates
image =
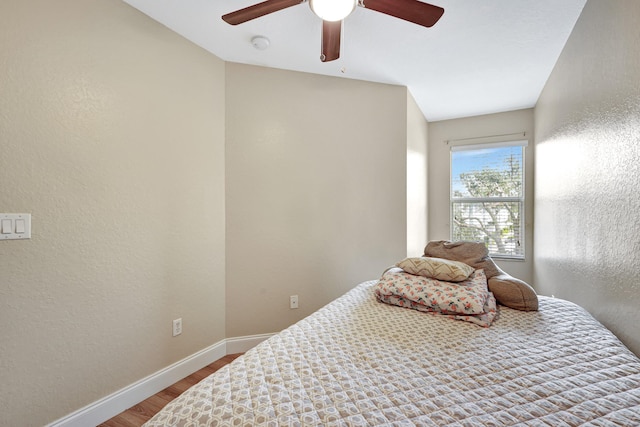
(466, 297)
(483, 319)
(437, 268)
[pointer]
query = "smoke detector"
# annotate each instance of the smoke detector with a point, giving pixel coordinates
(260, 42)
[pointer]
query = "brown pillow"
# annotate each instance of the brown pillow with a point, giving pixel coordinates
(513, 292)
(474, 254)
(437, 268)
(506, 289)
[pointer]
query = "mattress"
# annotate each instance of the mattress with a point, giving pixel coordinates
(360, 362)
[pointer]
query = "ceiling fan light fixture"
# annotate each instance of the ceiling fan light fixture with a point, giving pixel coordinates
(333, 10)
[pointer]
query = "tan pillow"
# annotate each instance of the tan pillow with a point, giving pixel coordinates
(474, 254)
(513, 292)
(437, 268)
(507, 289)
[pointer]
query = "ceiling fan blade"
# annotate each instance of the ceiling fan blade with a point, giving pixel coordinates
(415, 11)
(258, 10)
(330, 40)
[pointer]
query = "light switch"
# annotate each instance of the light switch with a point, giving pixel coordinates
(15, 226)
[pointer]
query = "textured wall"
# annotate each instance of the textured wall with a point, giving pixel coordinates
(440, 174)
(112, 136)
(316, 196)
(417, 146)
(587, 240)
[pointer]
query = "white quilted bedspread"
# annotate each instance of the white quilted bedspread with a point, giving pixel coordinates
(359, 362)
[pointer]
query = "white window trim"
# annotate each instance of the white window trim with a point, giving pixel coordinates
(479, 145)
(522, 200)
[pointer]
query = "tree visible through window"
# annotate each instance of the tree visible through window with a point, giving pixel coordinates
(487, 196)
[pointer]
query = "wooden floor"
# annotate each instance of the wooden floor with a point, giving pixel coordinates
(143, 411)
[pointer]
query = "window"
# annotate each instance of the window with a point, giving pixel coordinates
(487, 196)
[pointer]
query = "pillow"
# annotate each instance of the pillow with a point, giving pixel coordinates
(436, 268)
(514, 293)
(508, 290)
(467, 297)
(474, 254)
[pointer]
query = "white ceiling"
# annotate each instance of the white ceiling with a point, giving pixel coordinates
(483, 56)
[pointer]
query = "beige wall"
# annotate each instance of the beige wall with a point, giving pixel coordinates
(112, 136)
(417, 145)
(316, 197)
(588, 169)
(440, 170)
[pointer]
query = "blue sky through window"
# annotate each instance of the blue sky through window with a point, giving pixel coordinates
(478, 159)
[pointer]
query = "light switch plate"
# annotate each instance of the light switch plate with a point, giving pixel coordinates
(15, 226)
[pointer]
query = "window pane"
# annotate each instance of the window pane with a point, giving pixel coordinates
(498, 224)
(487, 196)
(488, 172)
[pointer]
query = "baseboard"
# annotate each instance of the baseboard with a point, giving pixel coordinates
(242, 344)
(110, 406)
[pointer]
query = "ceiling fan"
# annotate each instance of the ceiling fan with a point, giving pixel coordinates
(332, 12)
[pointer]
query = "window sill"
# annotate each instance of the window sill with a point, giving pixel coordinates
(507, 258)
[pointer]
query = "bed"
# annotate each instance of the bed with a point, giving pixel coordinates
(361, 362)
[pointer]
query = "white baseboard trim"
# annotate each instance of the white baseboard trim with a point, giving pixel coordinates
(110, 406)
(242, 344)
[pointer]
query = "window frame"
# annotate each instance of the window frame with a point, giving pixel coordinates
(521, 200)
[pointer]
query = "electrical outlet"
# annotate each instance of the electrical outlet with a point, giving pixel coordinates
(293, 301)
(177, 327)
